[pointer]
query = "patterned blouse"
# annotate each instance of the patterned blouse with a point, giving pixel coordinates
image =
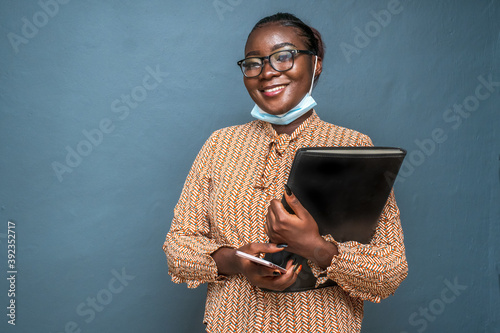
(223, 204)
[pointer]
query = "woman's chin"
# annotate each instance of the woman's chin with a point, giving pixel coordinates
(274, 112)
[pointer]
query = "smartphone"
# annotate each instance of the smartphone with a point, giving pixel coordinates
(260, 261)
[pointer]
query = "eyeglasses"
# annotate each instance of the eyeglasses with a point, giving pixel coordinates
(280, 61)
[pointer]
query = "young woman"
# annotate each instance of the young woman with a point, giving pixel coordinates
(229, 202)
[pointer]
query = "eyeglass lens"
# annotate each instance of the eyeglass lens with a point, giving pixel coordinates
(280, 61)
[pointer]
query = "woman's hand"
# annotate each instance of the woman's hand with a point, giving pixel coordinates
(299, 231)
(261, 276)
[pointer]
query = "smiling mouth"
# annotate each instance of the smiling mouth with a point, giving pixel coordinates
(273, 90)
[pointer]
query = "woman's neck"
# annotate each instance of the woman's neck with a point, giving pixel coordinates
(288, 129)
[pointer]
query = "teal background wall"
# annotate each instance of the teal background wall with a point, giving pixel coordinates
(104, 105)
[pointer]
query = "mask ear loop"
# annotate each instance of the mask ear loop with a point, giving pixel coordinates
(314, 73)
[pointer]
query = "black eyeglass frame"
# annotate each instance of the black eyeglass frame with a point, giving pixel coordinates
(268, 58)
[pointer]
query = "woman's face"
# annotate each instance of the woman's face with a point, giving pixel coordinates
(278, 92)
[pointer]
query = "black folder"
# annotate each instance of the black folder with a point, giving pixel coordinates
(345, 190)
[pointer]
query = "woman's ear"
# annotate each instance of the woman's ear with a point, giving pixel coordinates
(319, 67)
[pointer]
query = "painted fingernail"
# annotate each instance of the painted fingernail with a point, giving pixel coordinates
(295, 267)
(288, 190)
(276, 273)
(298, 270)
(282, 245)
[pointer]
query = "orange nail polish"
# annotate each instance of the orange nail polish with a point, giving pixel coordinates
(299, 269)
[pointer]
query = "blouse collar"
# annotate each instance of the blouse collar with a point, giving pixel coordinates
(311, 122)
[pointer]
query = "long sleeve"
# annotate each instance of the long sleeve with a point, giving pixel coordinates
(371, 271)
(190, 241)
(224, 203)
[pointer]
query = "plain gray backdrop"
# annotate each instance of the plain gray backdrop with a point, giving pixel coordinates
(105, 104)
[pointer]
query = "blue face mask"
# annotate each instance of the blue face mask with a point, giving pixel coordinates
(306, 104)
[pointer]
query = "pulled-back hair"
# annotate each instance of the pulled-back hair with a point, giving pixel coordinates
(312, 36)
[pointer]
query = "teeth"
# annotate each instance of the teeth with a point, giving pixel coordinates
(274, 89)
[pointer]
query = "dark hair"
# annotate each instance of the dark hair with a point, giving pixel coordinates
(314, 42)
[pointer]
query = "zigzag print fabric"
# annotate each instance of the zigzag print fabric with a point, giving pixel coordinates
(224, 202)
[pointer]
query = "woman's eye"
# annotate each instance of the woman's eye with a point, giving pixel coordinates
(284, 57)
(252, 64)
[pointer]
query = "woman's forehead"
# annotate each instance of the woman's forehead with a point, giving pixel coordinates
(264, 38)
